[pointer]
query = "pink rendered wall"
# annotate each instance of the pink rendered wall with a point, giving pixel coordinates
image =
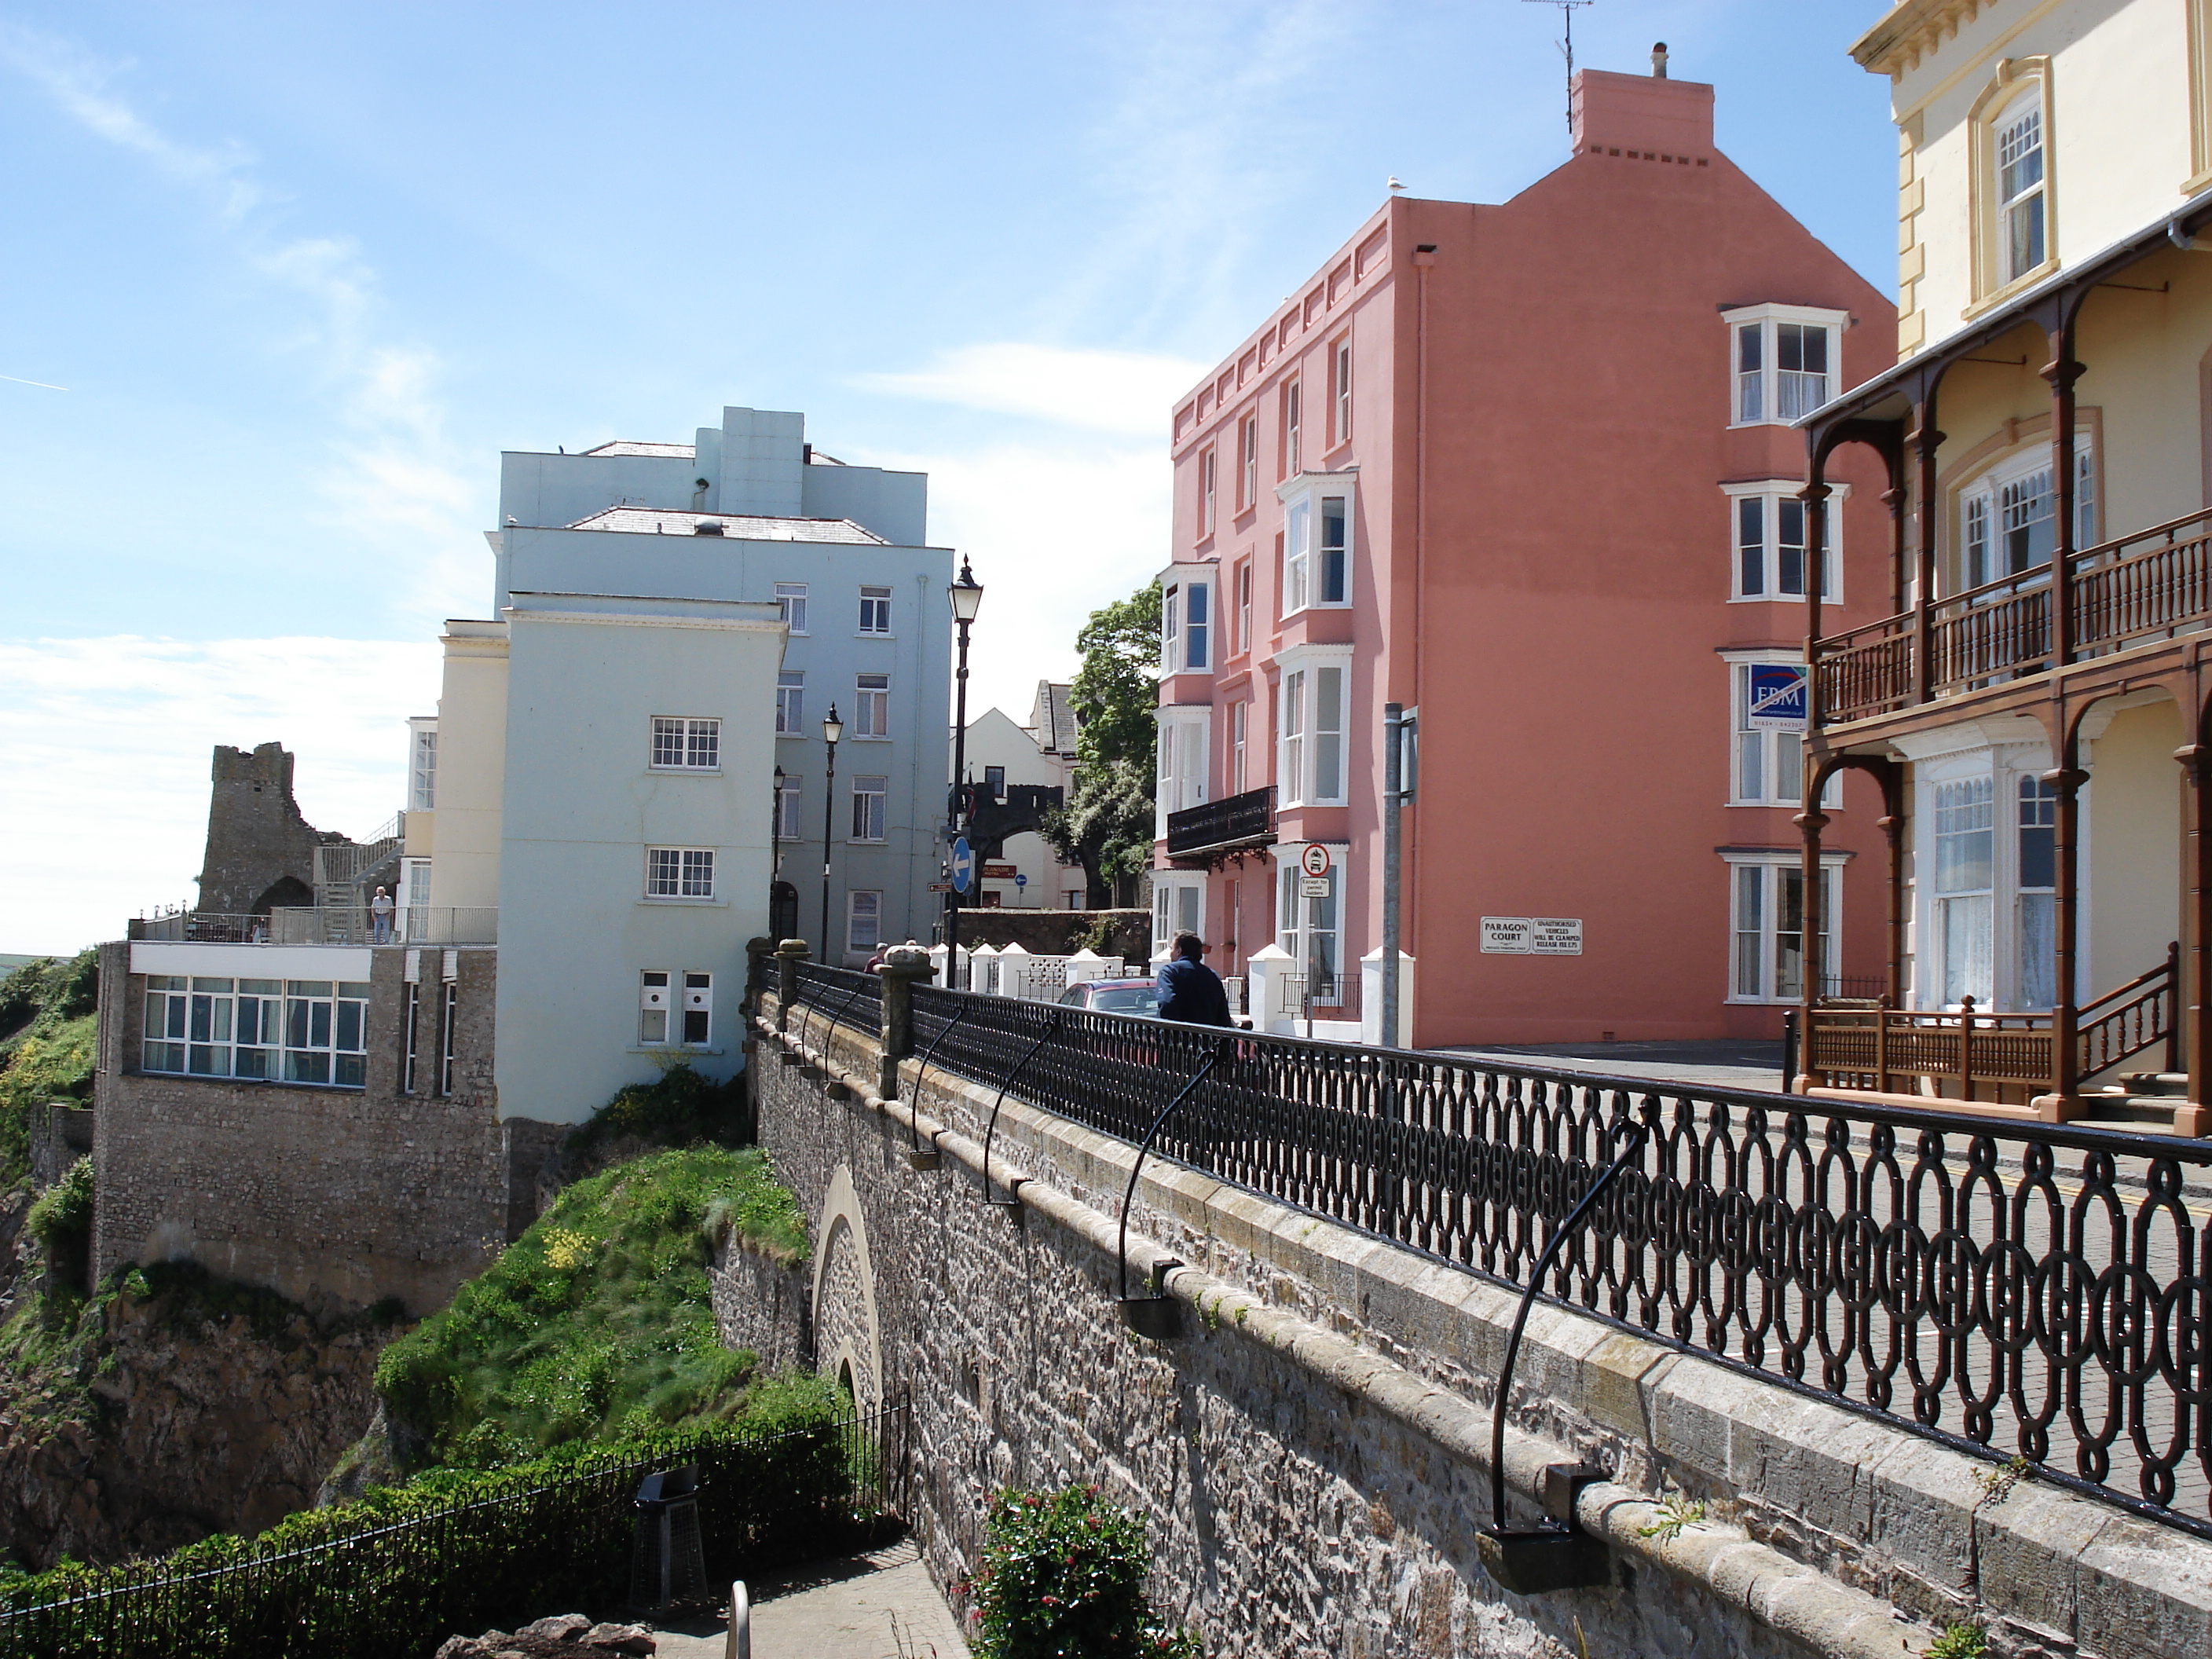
(1541, 559)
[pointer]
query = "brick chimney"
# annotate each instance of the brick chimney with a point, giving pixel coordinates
(1642, 114)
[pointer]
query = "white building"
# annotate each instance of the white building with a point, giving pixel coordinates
(1001, 755)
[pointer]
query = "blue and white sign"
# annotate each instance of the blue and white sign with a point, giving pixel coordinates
(963, 866)
(1777, 697)
(1020, 881)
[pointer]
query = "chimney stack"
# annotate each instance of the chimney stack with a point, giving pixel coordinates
(1659, 61)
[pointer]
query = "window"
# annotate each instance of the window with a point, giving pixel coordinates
(2038, 876)
(1767, 922)
(1238, 713)
(1333, 585)
(693, 1025)
(680, 744)
(1311, 772)
(791, 702)
(1197, 628)
(2008, 518)
(1784, 360)
(685, 872)
(1307, 928)
(994, 782)
(872, 707)
(791, 599)
(1178, 906)
(1244, 606)
(1769, 539)
(652, 1011)
(1291, 464)
(788, 802)
(1170, 628)
(412, 1030)
(1965, 883)
(1343, 374)
(875, 610)
(1298, 532)
(449, 1014)
(1289, 775)
(295, 1030)
(423, 794)
(1327, 735)
(868, 808)
(1207, 468)
(698, 1009)
(864, 921)
(1248, 464)
(2021, 233)
(1182, 762)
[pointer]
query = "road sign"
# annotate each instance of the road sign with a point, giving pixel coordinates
(998, 872)
(940, 887)
(1313, 887)
(963, 866)
(1315, 860)
(1777, 697)
(1020, 880)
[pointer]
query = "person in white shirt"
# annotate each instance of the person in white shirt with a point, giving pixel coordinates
(380, 910)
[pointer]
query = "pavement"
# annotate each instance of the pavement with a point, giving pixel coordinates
(881, 1605)
(1716, 1063)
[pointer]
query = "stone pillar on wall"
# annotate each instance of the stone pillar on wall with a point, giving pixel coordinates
(789, 955)
(1371, 1001)
(902, 965)
(1263, 970)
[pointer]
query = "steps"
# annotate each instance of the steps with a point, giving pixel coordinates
(2140, 1101)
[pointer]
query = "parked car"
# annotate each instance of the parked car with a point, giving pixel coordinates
(1140, 997)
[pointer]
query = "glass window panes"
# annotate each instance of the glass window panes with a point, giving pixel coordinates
(1965, 871)
(875, 610)
(788, 802)
(1294, 736)
(868, 808)
(1751, 545)
(1801, 368)
(1750, 381)
(2020, 233)
(871, 706)
(1333, 574)
(1767, 926)
(1298, 530)
(679, 873)
(864, 920)
(306, 1032)
(1328, 734)
(698, 1010)
(423, 791)
(652, 1009)
(791, 599)
(1197, 626)
(790, 702)
(683, 744)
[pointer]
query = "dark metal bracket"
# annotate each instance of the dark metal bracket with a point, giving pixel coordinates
(1157, 1316)
(843, 1008)
(919, 1157)
(1011, 1202)
(1557, 1555)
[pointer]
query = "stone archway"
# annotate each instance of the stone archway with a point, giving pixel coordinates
(846, 1340)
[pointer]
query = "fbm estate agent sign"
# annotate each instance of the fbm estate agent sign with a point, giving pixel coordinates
(1532, 936)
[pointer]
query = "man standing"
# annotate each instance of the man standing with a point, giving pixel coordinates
(1190, 990)
(380, 911)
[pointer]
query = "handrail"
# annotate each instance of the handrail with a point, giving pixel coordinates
(1051, 1031)
(913, 1117)
(1136, 1168)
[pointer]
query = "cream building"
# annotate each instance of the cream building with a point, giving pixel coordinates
(1000, 754)
(2049, 450)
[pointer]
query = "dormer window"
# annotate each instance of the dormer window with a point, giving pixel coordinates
(1783, 361)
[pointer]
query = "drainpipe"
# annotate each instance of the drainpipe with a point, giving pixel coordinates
(1394, 789)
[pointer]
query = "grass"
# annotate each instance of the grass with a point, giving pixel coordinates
(46, 1024)
(597, 1323)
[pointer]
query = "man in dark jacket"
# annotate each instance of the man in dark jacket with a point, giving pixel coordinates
(1190, 990)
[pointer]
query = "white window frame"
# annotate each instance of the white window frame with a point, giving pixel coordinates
(791, 702)
(1299, 920)
(1761, 397)
(790, 807)
(1209, 480)
(696, 1010)
(1340, 373)
(1293, 414)
(870, 809)
(859, 900)
(1771, 496)
(1310, 732)
(679, 875)
(875, 612)
(1240, 716)
(871, 709)
(422, 765)
(199, 1027)
(1772, 867)
(1183, 756)
(656, 998)
(2012, 266)
(1243, 605)
(1980, 510)
(685, 742)
(1247, 462)
(1178, 901)
(791, 600)
(1305, 572)
(1780, 754)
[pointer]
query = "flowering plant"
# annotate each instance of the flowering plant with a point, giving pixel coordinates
(1063, 1577)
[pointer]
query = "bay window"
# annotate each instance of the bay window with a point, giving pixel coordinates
(1965, 881)
(2009, 517)
(1766, 921)
(1308, 926)
(1187, 627)
(1768, 526)
(1310, 763)
(1783, 362)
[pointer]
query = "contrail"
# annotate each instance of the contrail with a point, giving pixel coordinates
(19, 380)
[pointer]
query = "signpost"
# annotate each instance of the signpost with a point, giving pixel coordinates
(1315, 860)
(963, 866)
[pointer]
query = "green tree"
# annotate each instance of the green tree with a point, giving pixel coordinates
(1106, 825)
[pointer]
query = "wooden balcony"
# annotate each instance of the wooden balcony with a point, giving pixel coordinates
(2133, 590)
(1235, 824)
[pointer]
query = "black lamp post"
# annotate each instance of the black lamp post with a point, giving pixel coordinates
(832, 729)
(774, 849)
(966, 595)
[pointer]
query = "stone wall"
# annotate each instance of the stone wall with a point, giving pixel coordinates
(329, 1196)
(260, 850)
(60, 1135)
(1054, 932)
(1311, 1455)
(762, 1303)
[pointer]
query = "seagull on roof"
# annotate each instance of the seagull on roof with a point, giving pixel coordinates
(1394, 184)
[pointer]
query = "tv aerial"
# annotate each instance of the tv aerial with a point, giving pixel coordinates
(1567, 11)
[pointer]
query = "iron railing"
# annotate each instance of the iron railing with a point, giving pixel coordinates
(2004, 1287)
(1245, 820)
(855, 997)
(385, 1592)
(328, 924)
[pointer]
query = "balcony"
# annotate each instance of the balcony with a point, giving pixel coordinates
(337, 923)
(1235, 824)
(2130, 592)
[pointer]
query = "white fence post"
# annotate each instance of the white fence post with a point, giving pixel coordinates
(1371, 1001)
(983, 970)
(1266, 970)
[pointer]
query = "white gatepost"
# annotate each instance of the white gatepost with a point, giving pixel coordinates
(1371, 1001)
(1265, 972)
(958, 980)
(1013, 978)
(983, 970)
(1086, 965)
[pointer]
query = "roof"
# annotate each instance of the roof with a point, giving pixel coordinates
(1910, 31)
(636, 447)
(739, 527)
(1053, 719)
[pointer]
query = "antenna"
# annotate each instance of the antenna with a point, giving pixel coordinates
(1567, 9)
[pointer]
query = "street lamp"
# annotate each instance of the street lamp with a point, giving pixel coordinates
(775, 846)
(966, 595)
(832, 729)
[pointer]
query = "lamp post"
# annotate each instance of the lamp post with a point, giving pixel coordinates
(966, 595)
(775, 846)
(832, 729)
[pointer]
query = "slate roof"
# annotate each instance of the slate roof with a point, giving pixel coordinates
(738, 527)
(1053, 719)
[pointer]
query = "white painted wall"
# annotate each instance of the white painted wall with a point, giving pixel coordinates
(993, 739)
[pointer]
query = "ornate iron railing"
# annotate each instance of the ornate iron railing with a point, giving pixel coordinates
(1245, 820)
(2006, 1287)
(855, 998)
(2127, 592)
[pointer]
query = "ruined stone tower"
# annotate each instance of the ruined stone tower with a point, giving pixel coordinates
(260, 852)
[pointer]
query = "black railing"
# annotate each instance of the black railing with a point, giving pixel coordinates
(854, 998)
(557, 1547)
(2006, 1287)
(1245, 820)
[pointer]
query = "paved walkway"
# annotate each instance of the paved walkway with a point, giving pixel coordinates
(1719, 1063)
(882, 1605)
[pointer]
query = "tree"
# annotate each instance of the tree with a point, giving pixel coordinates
(1106, 825)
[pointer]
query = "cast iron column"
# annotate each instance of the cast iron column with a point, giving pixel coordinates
(829, 816)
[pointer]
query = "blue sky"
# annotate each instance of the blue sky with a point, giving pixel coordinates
(303, 271)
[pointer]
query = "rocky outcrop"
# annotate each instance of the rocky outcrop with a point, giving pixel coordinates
(564, 1636)
(188, 1411)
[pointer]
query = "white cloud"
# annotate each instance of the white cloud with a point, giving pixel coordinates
(1128, 392)
(106, 744)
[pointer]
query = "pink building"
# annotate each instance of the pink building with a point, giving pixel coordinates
(1529, 471)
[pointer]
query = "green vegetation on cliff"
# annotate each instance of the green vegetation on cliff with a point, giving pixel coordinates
(597, 1323)
(45, 1047)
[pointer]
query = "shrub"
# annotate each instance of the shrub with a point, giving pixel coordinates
(61, 1221)
(1063, 1577)
(677, 1108)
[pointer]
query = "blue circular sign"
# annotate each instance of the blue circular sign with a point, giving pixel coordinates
(963, 866)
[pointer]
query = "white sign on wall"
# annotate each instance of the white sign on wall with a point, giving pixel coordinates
(1532, 936)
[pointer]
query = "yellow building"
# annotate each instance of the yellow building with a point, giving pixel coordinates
(2034, 707)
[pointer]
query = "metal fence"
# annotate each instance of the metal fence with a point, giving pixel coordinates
(2008, 1288)
(396, 1591)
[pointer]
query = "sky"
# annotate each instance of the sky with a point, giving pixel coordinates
(277, 282)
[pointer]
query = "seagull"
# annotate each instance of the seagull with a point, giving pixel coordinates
(1394, 184)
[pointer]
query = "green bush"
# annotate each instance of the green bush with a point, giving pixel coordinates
(61, 1221)
(677, 1108)
(598, 1323)
(1063, 1577)
(47, 1035)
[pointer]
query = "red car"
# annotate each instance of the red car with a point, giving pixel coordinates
(1138, 997)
